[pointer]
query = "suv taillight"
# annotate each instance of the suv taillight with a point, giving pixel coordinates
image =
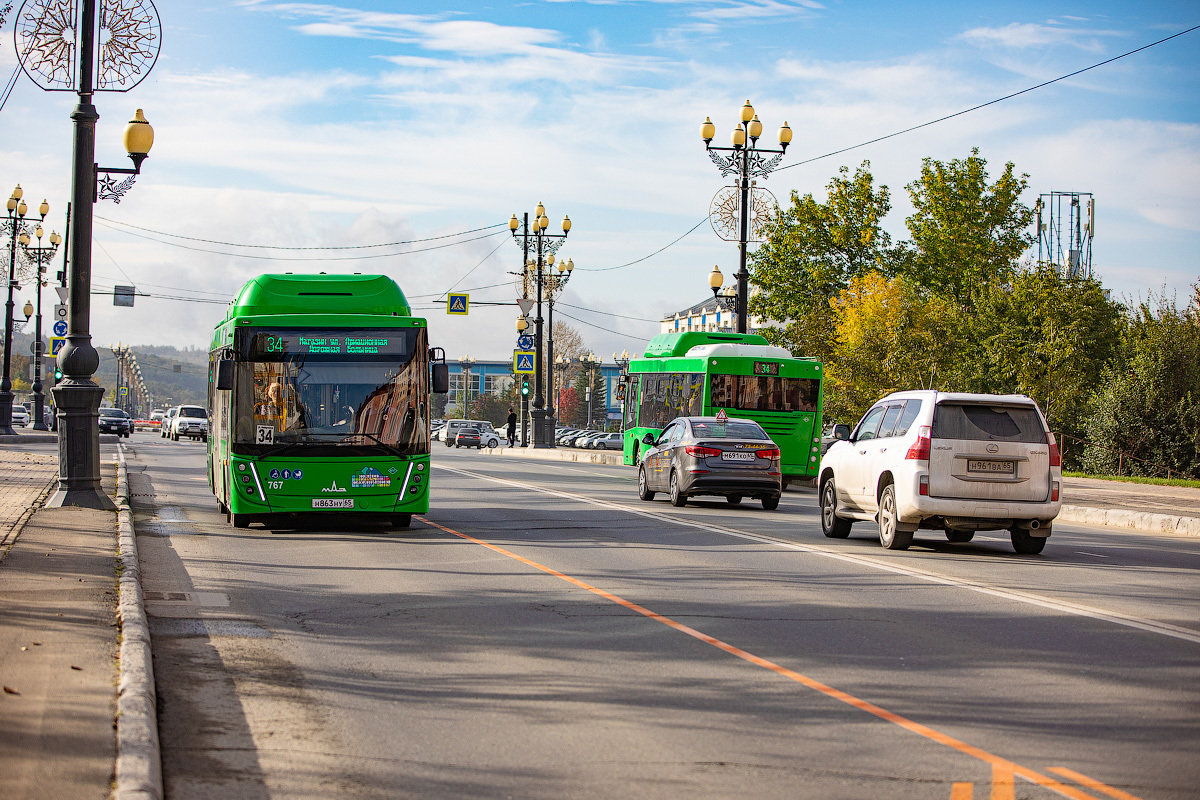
(1055, 456)
(920, 449)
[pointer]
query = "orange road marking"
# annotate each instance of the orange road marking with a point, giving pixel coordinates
(962, 791)
(1003, 787)
(1092, 783)
(837, 694)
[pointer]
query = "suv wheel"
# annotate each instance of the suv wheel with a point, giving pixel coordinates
(832, 525)
(889, 535)
(1024, 543)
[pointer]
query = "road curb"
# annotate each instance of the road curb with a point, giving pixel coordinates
(1133, 520)
(139, 765)
(558, 454)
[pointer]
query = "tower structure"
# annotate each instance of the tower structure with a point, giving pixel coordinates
(1066, 225)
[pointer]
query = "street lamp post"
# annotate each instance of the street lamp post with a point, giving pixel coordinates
(535, 239)
(522, 325)
(40, 255)
(622, 362)
(16, 226)
(745, 160)
(590, 361)
(78, 396)
(465, 363)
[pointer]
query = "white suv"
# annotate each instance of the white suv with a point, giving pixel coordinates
(951, 462)
(189, 421)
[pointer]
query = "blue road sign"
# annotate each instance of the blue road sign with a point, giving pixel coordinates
(525, 342)
(522, 361)
(60, 328)
(56, 344)
(458, 304)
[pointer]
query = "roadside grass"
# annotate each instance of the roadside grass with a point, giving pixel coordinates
(1190, 484)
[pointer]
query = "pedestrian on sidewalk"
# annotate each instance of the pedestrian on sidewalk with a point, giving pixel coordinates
(512, 428)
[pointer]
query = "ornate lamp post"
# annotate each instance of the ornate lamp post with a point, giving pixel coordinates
(16, 227)
(622, 362)
(590, 361)
(727, 297)
(40, 255)
(522, 325)
(561, 365)
(534, 241)
(465, 363)
(745, 160)
(56, 47)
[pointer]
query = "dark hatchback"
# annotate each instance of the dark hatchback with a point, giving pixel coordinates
(114, 420)
(730, 458)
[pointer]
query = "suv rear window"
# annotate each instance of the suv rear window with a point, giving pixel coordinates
(193, 412)
(986, 423)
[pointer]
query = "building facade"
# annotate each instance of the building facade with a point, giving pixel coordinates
(496, 377)
(706, 316)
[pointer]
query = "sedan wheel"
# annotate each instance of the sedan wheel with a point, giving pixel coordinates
(678, 498)
(643, 489)
(889, 535)
(832, 525)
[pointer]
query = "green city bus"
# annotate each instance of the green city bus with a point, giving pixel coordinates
(697, 373)
(319, 401)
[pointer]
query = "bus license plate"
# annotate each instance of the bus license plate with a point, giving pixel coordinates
(728, 456)
(328, 502)
(1003, 467)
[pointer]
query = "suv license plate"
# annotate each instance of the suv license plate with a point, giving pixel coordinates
(323, 502)
(728, 456)
(1003, 467)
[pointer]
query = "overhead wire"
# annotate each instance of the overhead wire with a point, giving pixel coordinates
(989, 103)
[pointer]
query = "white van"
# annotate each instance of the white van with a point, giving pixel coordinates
(951, 462)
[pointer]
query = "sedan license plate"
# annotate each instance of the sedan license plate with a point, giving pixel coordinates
(325, 502)
(1001, 467)
(732, 456)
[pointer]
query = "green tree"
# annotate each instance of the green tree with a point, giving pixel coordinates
(1148, 405)
(812, 252)
(891, 334)
(1044, 335)
(965, 232)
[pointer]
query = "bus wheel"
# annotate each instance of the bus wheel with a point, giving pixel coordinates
(224, 509)
(240, 520)
(770, 503)
(401, 520)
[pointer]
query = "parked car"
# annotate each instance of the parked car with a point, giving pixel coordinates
(189, 421)
(567, 433)
(609, 441)
(114, 420)
(164, 429)
(20, 415)
(957, 463)
(452, 427)
(730, 458)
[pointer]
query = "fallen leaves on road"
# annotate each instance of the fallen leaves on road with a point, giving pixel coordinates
(10, 690)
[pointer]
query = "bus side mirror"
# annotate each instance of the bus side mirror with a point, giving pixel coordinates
(841, 432)
(440, 379)
(225, 374)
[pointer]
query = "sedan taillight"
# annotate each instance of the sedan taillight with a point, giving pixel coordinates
(769, 452)
(920, 449)
(700, 451)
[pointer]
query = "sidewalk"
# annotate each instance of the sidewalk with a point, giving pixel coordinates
(58, 634)
(1143, 507)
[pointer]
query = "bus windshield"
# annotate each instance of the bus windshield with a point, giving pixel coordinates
(341, 391)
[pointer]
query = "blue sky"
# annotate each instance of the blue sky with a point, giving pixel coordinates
(321, 124)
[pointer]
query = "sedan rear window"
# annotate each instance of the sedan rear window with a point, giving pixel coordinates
(728, 430)
(988, 423)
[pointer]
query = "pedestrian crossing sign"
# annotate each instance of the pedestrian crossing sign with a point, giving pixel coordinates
(523, 361)
(56, 344)
(458, 304)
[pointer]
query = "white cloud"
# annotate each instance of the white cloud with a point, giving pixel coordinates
(1018, 35)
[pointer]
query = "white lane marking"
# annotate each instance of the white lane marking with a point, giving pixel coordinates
(1094, 555)
(1064, 606)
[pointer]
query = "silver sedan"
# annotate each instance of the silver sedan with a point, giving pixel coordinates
(730, 458)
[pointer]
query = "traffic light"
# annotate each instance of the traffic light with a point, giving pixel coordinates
(57, 374)
(525, 387)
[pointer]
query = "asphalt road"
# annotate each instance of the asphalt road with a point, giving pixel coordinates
(542, 633)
